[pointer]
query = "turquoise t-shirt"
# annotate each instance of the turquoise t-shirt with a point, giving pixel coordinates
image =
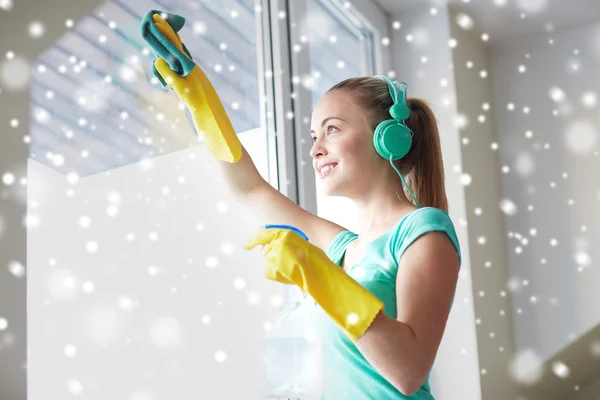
(346, 373)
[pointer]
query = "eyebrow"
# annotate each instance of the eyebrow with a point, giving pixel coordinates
(327, 119)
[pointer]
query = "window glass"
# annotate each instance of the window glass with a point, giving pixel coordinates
(340, 47)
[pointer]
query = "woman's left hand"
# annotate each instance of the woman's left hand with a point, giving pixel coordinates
(286, 253)
(293, 260)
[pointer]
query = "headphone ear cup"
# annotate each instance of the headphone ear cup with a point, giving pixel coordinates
(392, 139)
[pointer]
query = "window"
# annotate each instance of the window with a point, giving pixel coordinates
(341, 46)
(134, 256)
(97, 106)
(135, 260)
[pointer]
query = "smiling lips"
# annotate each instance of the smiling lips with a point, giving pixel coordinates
(326, 169)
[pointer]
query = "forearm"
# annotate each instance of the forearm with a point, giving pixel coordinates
(392, 349)
(242, 176)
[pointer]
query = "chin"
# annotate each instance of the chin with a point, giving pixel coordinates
(332, 189)
(328, 192)
(332, 185)
(325, 188)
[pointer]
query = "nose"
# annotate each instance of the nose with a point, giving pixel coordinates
(317, 148)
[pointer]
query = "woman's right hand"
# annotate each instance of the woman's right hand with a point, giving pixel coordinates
(198, 94)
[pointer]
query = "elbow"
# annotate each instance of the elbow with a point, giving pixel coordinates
(408, 388)
(412, 384)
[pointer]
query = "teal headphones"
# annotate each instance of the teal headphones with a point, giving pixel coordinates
(392, 138)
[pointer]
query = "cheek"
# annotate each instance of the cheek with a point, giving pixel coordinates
(360, 149)
(348, 148)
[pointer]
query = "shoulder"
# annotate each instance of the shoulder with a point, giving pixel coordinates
(420, 222)
(424, 215)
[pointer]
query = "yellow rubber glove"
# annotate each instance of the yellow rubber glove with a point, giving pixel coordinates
(293, 260)
(200, 97)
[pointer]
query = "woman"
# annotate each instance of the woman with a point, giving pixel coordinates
(383, 293)
(406, 255)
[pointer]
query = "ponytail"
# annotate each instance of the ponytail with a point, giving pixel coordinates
(423, 165)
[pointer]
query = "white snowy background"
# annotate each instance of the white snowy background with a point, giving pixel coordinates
(138, 286)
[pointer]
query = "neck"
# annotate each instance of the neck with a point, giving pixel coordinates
(381, 206)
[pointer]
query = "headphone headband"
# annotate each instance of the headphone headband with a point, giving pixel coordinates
(397, 90)
(403, 88)
(391, 86)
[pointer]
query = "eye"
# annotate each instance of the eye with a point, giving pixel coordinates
(329, 128)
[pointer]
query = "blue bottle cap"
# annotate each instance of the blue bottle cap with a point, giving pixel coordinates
(298, 231)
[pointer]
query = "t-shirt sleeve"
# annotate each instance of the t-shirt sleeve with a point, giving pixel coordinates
(422, 221)
(338, 245)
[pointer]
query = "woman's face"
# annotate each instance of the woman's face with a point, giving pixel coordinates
(343, 153)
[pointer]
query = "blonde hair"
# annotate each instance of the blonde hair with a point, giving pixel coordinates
(422, 167)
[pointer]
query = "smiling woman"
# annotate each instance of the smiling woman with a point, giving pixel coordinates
(380, 342)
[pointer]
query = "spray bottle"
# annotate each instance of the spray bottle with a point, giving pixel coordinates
(291, 353)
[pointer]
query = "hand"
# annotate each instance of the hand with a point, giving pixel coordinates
(293, 260)
(197, 93)
(287, 255)
(184, 86)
